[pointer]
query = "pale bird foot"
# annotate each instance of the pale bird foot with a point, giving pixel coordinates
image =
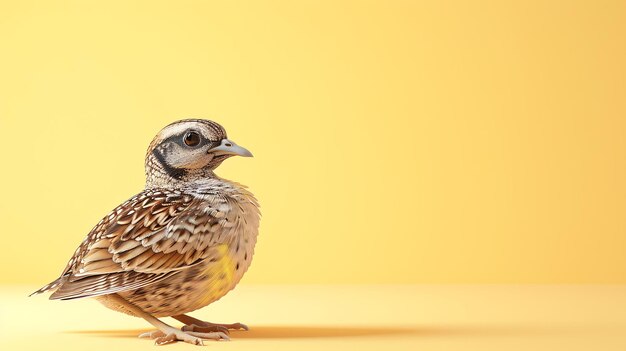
(174, 335)
(208, 327)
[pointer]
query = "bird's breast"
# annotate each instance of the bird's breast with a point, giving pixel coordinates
(216, 277)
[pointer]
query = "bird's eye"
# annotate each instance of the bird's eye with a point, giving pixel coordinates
(192, 139)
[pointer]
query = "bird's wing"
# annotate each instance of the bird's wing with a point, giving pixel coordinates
(152, 236)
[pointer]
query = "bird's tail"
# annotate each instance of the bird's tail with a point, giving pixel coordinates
(50, 286)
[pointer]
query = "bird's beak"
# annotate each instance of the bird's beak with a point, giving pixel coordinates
(227, 147)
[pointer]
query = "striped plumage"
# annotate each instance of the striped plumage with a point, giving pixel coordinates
(180, 244)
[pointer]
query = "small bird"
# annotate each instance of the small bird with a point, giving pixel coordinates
(182, 243)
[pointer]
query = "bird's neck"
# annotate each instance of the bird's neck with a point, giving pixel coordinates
(158, 176)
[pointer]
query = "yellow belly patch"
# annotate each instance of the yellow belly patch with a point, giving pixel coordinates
(221, 273)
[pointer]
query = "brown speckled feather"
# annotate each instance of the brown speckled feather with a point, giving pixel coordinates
(146, 239)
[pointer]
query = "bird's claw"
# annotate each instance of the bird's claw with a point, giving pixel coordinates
(192, 337)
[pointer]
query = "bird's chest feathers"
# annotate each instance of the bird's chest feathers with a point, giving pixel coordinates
(217, 276)
(231, 255)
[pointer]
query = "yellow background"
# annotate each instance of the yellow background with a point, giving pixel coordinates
(394, 141)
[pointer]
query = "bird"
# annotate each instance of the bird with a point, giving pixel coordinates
(179, 245)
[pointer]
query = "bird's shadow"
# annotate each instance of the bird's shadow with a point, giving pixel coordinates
(298, 332)
(275, 332)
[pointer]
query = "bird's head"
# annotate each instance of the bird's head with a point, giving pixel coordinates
(188, 149)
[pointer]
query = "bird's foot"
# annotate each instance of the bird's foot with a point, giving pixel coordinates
(208, 327)
(171, 335)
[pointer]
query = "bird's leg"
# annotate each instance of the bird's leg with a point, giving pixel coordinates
(196, 325)
(166, 333)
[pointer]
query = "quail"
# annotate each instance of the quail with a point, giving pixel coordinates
(182, 243)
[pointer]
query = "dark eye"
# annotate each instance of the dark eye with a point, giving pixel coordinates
(192, 139)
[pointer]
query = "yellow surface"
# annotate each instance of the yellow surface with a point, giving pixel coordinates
(327, 317)
(395, 141)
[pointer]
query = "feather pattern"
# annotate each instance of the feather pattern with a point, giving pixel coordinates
(151, 236)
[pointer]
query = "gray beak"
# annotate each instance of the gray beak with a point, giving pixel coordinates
(227, 147)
